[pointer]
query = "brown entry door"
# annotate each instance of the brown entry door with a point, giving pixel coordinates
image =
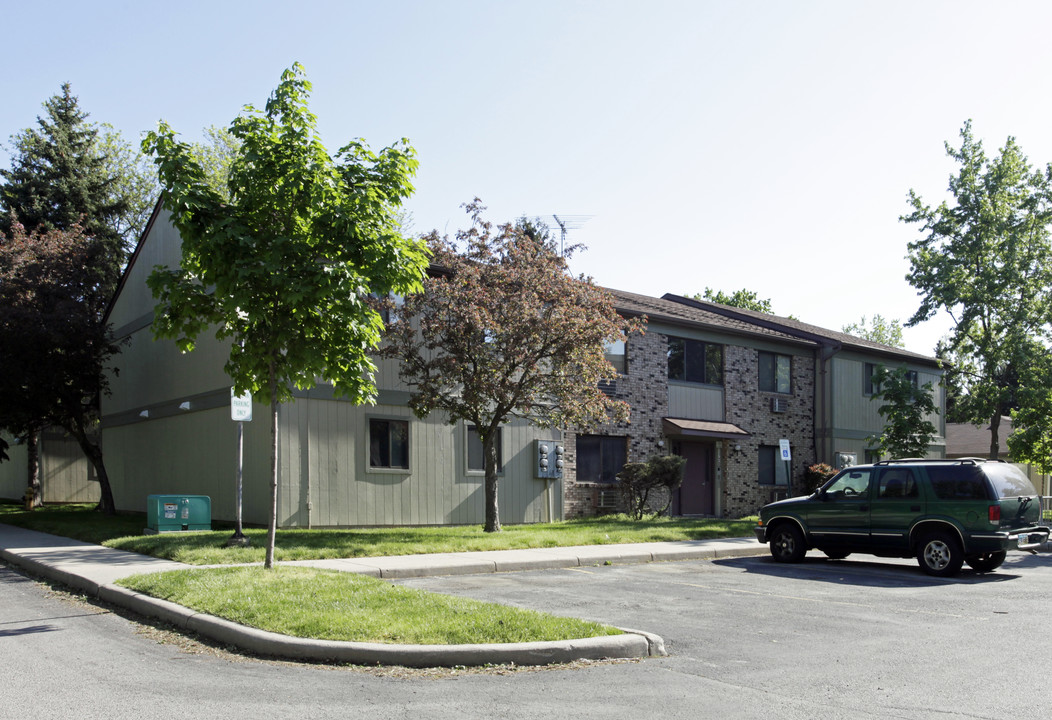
(695, 496)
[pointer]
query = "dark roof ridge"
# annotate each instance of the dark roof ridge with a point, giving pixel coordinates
(798, 328)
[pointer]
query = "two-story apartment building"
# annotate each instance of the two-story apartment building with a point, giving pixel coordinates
(720, 386)
(724, 387)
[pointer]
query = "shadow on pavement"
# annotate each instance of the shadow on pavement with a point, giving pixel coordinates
(868, 572)
(31, 630)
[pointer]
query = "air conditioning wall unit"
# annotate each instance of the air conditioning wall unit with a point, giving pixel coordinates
(608, 499)
(779, 404)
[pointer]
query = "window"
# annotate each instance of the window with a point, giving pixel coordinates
(868, 386)
(614, 352)
(772, 467)
(389, 444)
(695, 361)
(851, 484)
(391, 304)
(600, 457)
(775, 373)
(476, 461)
(897, 484)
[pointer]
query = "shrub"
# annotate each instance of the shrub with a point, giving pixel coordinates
(648, 487)
(816, 475)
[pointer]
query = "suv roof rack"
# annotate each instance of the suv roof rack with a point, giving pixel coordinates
(960, 460)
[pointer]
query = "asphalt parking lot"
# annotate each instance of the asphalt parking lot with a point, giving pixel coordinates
(861, 637)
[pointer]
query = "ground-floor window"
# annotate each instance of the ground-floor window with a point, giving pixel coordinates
(600, 457)
(772, 467)
(388, 443)
(476, 460)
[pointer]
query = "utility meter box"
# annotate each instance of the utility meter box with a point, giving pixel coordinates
(175, 513)
(549, 456)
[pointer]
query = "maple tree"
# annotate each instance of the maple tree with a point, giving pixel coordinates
(283, 265)
(502, 330)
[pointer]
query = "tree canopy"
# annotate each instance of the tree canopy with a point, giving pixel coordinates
(745, 299)
(284, 266)
(53, 345)
(64, 173)
(878, 329)
(906, 408)
(71, 189)
(502, 331)
(985, 259)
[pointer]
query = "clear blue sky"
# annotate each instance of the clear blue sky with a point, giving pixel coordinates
(767, 145)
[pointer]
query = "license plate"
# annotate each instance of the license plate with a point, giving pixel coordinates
(1023, 539)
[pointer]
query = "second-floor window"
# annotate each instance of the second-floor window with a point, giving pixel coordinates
(775, 372)
(695, 361)
(616, 355)
(869, 384)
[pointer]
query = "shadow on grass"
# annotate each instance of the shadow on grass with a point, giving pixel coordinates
(124, 532)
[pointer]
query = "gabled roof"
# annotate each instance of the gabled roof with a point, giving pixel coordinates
(675, 313)
(679, 310)
(795, 328)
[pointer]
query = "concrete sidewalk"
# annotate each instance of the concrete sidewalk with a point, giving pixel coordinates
(93, 569)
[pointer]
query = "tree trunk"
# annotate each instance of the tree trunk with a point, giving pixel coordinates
(93, 451)
(272, 530)
(489, 452)
(33, 470)
(995, 424)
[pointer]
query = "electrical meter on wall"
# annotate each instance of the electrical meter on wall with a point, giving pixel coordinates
(549, 456)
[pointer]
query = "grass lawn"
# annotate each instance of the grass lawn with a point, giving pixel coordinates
(208, 548)
(329, 605)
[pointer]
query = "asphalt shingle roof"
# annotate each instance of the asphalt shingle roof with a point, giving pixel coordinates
(678, 309)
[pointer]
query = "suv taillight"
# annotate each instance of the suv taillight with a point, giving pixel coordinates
(995, 514)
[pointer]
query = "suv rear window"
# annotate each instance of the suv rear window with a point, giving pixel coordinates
(958, 482)
(1008, 480)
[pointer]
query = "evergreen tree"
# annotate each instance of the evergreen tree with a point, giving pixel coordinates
(59, 179)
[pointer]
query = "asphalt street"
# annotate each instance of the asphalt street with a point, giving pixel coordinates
(861, 638)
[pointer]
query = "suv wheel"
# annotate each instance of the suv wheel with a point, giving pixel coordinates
(939, 554)
(787, 544)
(986, 561)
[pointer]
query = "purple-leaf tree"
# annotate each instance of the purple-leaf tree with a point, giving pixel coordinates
(503, 331)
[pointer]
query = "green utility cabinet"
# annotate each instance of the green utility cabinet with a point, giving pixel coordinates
(175, 513)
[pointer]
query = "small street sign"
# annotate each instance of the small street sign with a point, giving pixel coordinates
(783, 444)
(240, 407)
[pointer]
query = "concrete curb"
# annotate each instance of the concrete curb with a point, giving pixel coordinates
(495, 561)
(632, 644)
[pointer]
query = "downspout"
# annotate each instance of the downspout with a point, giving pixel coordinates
(823, 354)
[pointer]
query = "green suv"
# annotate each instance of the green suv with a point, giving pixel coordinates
(943, 512)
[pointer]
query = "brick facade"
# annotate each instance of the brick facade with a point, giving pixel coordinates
(645, 389)
(750, 409)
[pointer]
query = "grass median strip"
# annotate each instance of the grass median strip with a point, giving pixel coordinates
(124, 532)
(329, 605)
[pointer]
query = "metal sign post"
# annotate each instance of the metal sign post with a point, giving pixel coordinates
(241, 413)
(787, 456)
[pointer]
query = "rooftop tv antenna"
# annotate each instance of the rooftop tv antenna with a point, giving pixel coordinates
(568, 222)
